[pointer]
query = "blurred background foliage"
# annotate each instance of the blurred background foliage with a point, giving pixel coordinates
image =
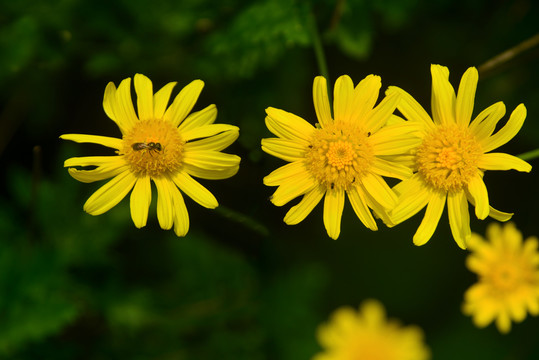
(242, 284)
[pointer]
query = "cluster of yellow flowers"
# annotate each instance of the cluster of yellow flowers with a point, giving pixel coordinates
(349, 152)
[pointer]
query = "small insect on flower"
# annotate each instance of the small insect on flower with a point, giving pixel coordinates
(151, 146)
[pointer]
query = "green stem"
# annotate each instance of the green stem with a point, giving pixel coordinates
(530, 155)
(317, 45)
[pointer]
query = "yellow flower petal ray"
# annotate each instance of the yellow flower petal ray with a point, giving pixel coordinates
(100, 173)
(321, 101)
(107, 141)
(395, 139)
(202, 117)
(390, 169)
(141, 197)
(380, 114)
(184, 102)
(379, 211)
(502, 161)
(414, 197)
(95, 161)
(287, 150)
(435, 208)
(484, 124)
(459, 217)
(161, 99)
(299, 212)
(110, 194)
(379, 189)
(478, 191)
(410, 108)
(506, 133)
(298, 185)
(466, 96)
(493, 213)
(181, 217)
(144, 91)
(165, 209)
(211, 160)
(285, 172)
(118, 105)
(365, 96)
(215, 143)
(195, 190)
(443, 96)
(359, 204)
(333, 208)
(207, 131)
(288, 126)
(210, 174)
(342, 102)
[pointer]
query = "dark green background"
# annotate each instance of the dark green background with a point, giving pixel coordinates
(242, 284)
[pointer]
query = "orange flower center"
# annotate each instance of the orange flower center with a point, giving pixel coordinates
(153, 147)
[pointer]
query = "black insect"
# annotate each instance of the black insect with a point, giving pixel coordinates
(151, 146)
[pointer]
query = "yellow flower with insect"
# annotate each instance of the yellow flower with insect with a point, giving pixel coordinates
(160, 143)
(508, 270)
(368, 334)
(453, 156)
(347, 153)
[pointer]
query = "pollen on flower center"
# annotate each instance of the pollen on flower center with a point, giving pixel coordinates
(339, 154)
(447, 157)
(153, 147)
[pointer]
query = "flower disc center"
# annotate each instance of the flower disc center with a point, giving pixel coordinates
(448, 156)
(339, 154)
(153, 147)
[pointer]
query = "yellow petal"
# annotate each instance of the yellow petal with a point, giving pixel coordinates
(144, 90)
(287, 150)
(443, 96)
(181, 217)
(321, 101)
(333, 209)
(390, 169)
(342, 103)
(284, 173)
(287, 125)
(110, 142)
(141, 197)
(165, 209)
(381, 114)
(100, 173)
(198, 172)
(112, 110)
(479, 192)
(207, 131)
(184, 102)
(216, 143)
(211, 160)
(299, 212)
(459, 217)
(365, 96)
(466, 96)
(515, 122)
(161, 99)
(493, 213)
(379, 190)
(195, 190)
(110, 194)
(123, 107)
(414, 196)
(485, 123)
(410, 108)
(359, 204)
(107, 161)
(501, 161)
(298, 185)
(395, 139)
(435, 208)
(203, 117)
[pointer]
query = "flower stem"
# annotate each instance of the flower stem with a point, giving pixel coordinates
(317, 45)
(530, 155)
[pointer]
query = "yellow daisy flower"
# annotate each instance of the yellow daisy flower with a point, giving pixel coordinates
(368, 334)
(162, 144)
(345, 154)
(453, 155)
(508, 271)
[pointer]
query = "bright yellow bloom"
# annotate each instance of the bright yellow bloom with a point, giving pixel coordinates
(453, 156)
(369, 335)
(163, 144)
(348, 153)
(508, 271)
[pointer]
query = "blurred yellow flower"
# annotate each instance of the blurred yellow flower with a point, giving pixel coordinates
(345, 154)
(508, 271)
(368, 335)
(453, 156)
(162, 144)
